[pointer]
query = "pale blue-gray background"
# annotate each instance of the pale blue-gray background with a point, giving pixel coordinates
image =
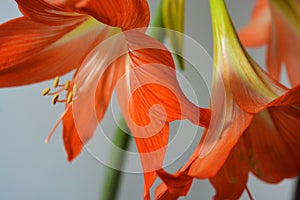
(30, 169)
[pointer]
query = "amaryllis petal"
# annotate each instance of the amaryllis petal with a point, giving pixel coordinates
(253, 90)
(254, 124)
(153, 69)
(231, 179)
(273, 59)
(72, 141)
(94, 89)
(285, 41)
(150, 97)
(276, 24)
(213, 163)
(274, 112)
(22, 38)
(82, 118)
(221, 136)
(269, 148)
(258, 31)
(53, 57)
(48, 50)
(21, 50)
(48, 12)
(276, 149)
(118, 13)
(173, 186)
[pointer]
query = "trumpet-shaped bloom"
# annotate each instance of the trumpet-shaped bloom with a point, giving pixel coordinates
(104, 42)
(277, 25)
(255, 125)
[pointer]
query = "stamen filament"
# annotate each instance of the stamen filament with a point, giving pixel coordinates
(58, 91)
(61, 101)
(55, 126)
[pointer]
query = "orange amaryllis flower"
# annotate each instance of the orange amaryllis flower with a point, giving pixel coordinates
(255, 123)
(104, 42)
(276, 24)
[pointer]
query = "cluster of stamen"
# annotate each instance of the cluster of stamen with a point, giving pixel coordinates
(61, 88)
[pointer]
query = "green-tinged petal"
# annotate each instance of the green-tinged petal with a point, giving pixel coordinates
(249, 110)
(289, 10)
(246, 78)
(173, 18)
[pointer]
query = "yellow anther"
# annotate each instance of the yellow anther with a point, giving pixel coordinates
(55, 98)
(74, 90)
(46, 91)
(55, 82)
(67, 84)
(62, 87)
(70, 96)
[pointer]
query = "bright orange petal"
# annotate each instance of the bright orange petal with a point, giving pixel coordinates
(118, 13)
(31, 49)
(276, 148)
(173, 186)
(48, 13)
(274, 24)
(207, 165)
(40, 51)
(287, 40)
(274, 60)
(292, 62)
(257, 32)
(231, 180)
(269, 148)
(72, 141)
(22, 38)
(252, 88)
(83, 117)
(162, 193)
(246, 90)
(95, 82)
(150, 97)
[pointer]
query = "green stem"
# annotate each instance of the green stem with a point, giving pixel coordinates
(113, 175)
(157, 21)
(122, 138)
